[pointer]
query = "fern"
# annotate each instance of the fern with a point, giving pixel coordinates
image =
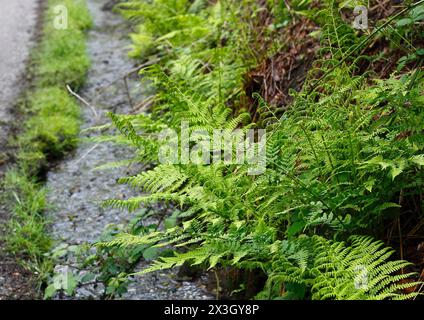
(337, 159)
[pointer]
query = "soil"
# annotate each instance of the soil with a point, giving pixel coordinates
(284, 71)
(15, 281)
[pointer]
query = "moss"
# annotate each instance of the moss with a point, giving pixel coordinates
(61, 57)
(59, 60)
(53, 129)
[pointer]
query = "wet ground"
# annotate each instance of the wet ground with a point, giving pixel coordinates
(77, 188)
(18, 26)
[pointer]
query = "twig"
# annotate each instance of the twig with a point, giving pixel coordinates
(136, 69)
(82, 100)
(414, 76)
(421, 286)
(144, 104)
(87, 153)
(128, 93)
(217, 284)
(400, 243)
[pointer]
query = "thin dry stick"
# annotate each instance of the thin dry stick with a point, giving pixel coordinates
(400, 241)
(82, 100)
(144, 104)
(87, 153)
(217, 284)
(136, 69)
(422, 285)
(101, 91)
(389, 235)
(127, 90)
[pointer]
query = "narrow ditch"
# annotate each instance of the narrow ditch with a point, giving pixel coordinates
(76, 188)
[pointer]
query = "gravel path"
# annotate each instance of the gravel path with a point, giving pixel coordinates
(76, 189)
(18, 23)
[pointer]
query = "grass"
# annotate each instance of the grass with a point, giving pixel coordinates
(61, 57)
(28, 224)
(50, 129)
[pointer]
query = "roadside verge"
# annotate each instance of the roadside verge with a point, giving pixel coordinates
(48, 130)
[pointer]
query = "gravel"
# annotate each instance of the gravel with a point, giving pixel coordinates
(77, 188)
